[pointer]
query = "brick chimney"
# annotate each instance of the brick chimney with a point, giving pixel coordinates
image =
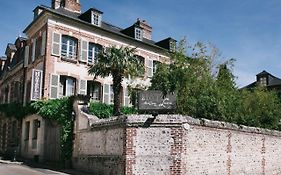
(147, 29)
(71, 5)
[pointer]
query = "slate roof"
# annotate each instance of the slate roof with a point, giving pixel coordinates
(104, 25)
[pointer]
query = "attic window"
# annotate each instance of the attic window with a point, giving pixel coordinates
(138, 34)
(96, 19)
(263, 81)
(172, 46)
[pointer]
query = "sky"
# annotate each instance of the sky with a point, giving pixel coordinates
(247, 30)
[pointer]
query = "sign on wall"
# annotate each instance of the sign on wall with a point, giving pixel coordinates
(36, 84)
(154, 101)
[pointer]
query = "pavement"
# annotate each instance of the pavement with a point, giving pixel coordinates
(32, 168)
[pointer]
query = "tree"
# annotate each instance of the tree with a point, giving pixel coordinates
(119, 63)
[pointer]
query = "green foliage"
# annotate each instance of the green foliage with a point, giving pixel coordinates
(119, 63)
(201, 93)
(59, 110)
(102, 110)
(16, 110)
(261, 108)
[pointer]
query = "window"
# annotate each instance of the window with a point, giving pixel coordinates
(138, 34)
(155, 65)
(96, 19)
(111, 94)
(36, 124)
(27, 126)
(66, 86)
(172, 46)
(68, 47)
(141, 60)
(94, 90)
(93, 52)
(263, 81)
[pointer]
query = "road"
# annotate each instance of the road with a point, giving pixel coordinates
(25, 170)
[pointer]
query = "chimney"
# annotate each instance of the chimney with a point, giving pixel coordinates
(56, 4)
(71, 5)
(147, 29)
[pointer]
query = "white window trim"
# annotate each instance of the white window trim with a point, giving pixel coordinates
(149, 66)
(141, 34)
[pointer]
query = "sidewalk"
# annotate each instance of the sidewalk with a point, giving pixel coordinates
(36, 165)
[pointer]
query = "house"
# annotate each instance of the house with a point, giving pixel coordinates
(52, 61)
(267, 80)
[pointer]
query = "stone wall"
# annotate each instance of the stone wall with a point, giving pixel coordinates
(174, 144)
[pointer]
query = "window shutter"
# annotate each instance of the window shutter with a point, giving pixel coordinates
(43, 43)
(54, 86)
(83, 87)
(84, 51)
(26, 55)
(33, 49)
(149, 64)
(126, 97)
(56, 42)
(106, 93)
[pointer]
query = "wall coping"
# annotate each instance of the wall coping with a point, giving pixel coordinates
(176, 121)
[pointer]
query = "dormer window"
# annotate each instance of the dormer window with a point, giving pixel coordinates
(172, 46)
(138, 34)
(96, 19)
(263, 81)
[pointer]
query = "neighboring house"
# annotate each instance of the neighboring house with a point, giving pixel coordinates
(267, 80)
(53, 60)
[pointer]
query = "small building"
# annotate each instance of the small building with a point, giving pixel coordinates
(267, 80)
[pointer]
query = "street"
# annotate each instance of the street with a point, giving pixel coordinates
(6, 169)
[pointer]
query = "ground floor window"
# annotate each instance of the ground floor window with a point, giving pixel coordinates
(67, 86)
(94, 90)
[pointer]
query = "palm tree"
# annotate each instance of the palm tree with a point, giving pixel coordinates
(119, 63)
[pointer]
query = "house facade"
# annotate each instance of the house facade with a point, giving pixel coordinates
(53, 59)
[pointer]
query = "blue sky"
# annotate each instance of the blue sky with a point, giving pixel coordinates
(249, 31)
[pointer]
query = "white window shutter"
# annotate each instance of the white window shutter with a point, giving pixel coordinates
(43, 43)
(126, 97)
(83, 87)
(106, 93)
(149, 65)
(26, 56)
(54, 86)
(84, 51)
(56, 43)
(33, 49)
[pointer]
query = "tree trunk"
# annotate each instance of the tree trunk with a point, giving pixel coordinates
(117, 79)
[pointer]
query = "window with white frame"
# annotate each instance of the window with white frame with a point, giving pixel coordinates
(67, 86)
(108, 95)
(68, 47)
(263, 81)
(95, 19)
(94, 90)
(141, 61)
(155, 66)
(138, 34)
(93, 52)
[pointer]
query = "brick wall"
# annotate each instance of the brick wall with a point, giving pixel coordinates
(178, 145)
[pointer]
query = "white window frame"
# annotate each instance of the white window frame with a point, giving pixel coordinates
(96, 19)
(69, 55)
(138, 34)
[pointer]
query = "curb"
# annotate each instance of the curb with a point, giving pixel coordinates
(10, 162)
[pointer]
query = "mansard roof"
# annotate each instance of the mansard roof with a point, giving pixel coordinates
(104, 25)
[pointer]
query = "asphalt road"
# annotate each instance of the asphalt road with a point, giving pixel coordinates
(25, 170)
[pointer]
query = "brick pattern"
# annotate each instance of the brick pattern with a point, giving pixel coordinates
(129, 150)
(176, 151)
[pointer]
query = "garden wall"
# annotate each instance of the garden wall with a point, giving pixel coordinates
(174, 144)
